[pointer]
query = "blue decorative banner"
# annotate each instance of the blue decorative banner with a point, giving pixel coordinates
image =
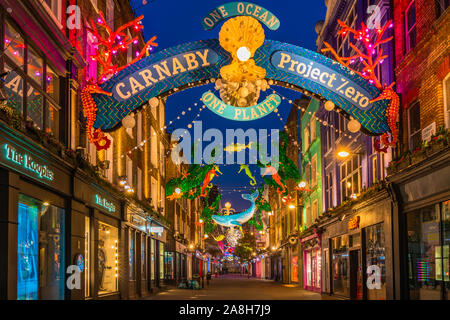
(197, 61)
(258, 111)
(233, 9)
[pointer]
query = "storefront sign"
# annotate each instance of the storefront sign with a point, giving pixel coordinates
(26, 161)
(353, 223)
(102, 202)
(233, 9)
(241, 114)
(159, 230)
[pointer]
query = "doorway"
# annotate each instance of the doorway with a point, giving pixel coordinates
(356, 292)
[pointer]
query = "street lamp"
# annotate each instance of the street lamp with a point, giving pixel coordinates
(342, 153)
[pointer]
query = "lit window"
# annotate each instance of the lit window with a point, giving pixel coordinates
(351, 177)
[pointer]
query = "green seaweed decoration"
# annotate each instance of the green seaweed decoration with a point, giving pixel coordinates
(207, 213)
(287, 169)
(261, 205)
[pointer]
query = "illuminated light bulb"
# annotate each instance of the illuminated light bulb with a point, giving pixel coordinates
(46, 204)
(177, 190)
(302, 184)
(243, 53)
(353, 125)
(343, 154)
(201, 220)
(349, 184)
(291, 206)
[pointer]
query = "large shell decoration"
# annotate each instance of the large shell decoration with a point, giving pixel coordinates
(242, 80)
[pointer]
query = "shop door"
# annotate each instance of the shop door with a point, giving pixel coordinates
(356, 292)
(314, 269)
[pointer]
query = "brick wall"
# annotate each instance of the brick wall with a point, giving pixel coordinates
(417, 72)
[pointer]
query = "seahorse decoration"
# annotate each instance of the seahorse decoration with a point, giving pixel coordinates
(392, 116)
(276, 177)
(249, 173)
(96, 136)
(208, 177)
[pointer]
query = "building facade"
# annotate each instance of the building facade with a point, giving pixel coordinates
(98, 212)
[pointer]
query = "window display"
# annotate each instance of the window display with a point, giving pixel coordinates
(341, 277)
(375, 262)
(131, 255)
(152, 259)
(40, 250)
(144, 257)
(168, 260)
(108, 258)
(87, 257)
(161, 260)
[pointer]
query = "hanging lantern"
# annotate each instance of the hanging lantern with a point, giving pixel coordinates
(329, 105)
(154, 102)
(353, 126)
(128, 122)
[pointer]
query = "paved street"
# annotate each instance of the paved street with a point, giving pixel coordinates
(232, 287)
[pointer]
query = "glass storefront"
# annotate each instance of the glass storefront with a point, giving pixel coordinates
(169, 262)
(40, 250)
(132, 255)
(152, 259)
(340, 274)
(312, 266)
(144, 257)
(294, 269)
(161, 261)
(87, 257)
(428, 252)
(108, 258)
(375, 262)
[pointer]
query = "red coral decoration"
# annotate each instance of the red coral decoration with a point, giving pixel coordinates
(370, 59)
(113, 42)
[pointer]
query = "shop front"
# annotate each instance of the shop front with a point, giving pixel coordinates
(159, 261)
(97, 233)
(176, 261)
(356, 255)
(312, 262)
(424, 228)
(34, 193)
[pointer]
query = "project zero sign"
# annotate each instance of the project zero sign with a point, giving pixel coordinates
(232, 9)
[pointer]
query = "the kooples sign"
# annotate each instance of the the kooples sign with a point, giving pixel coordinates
(26, 161)
(102, 202)
(167, 68)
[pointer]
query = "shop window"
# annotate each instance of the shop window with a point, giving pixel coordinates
(424, 253)
(341, 271)
(144, 257)
(445, 260)
(14, 89)
(161, 260)
(152, 259)
(108, 258)
(52, 83)
(375, 262)
(319, 263)
(410, 26)
(40, 250)
(87, 256)
(14, 45)
(441, 6)
(132, 257)
(415, 135)
(169, 262)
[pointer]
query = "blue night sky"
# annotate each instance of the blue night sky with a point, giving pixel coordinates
(177, 22)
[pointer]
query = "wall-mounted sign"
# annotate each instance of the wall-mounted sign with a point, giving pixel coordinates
(233, 9)
(154, 229)
(428, 131)
(353, 223)
(202, 60)
(227, 111)
(26, 161)
(102, 202)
